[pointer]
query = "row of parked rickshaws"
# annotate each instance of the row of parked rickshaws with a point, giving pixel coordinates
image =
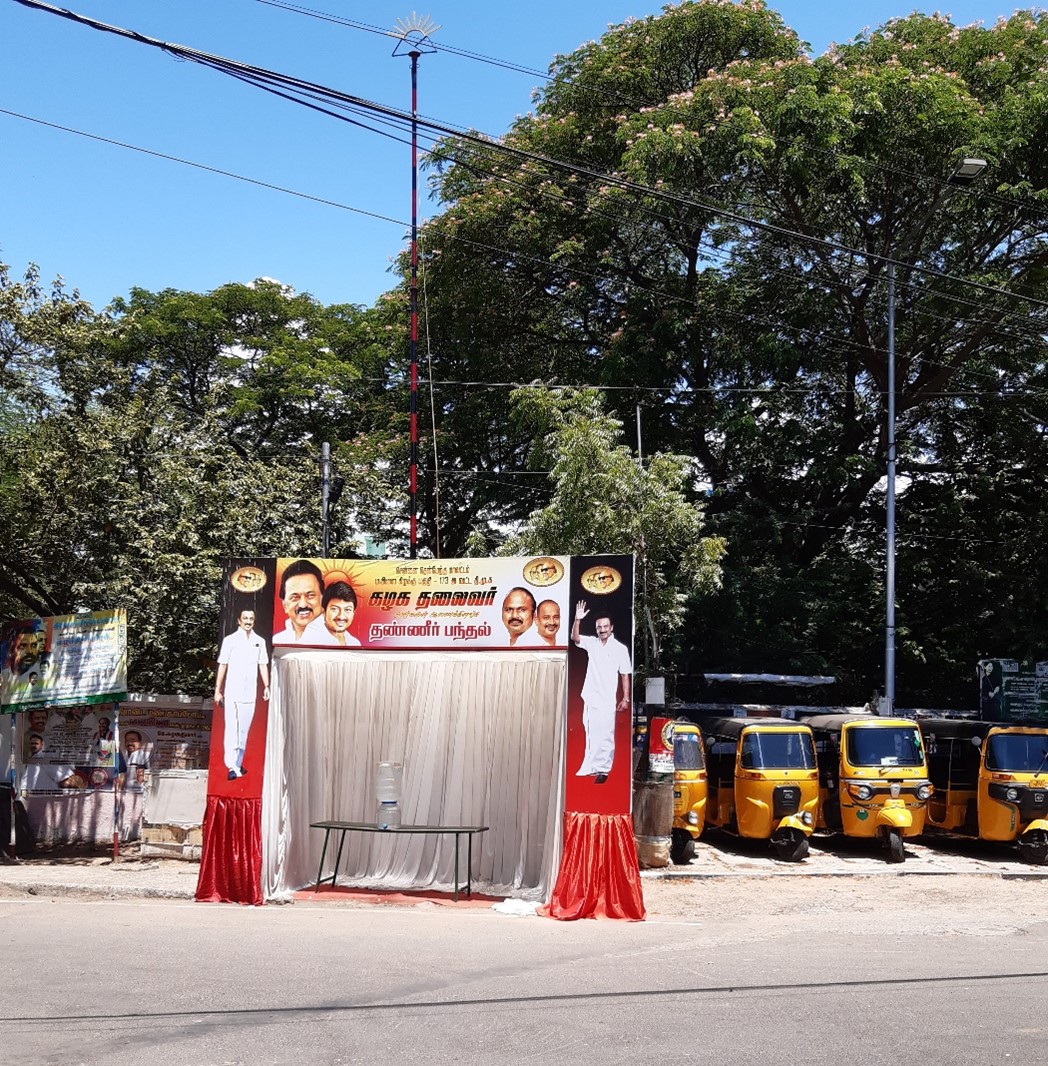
(884, 779)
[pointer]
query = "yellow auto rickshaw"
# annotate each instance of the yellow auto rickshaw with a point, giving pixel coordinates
(762, 781)
(689, 790)
(991, 781)
(873, 777)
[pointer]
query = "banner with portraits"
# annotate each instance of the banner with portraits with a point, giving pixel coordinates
(424, 603)
(63, 660)
(79, 748)
(579, 606)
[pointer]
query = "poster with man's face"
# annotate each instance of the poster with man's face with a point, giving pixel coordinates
(511, 603)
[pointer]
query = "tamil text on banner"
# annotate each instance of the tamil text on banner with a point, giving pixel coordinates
(421, 604)
(65, 660)
(68, 749)
(77, 748)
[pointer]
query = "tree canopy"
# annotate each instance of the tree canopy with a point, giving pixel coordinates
(694, 226)
(699, 216)
(143, 444)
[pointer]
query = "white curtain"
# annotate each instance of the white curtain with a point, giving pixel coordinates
(481, 739)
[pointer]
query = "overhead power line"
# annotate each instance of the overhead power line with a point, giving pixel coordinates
(836, 339)
(291, 87)
(1032, 208)
(438, 46)
(203, 166)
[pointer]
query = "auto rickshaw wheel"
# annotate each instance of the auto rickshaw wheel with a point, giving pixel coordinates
(791, 845)
(682, 847)
(1033, 847)
(896, 850)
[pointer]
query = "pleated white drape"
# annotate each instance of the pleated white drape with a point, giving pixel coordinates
(481, 739)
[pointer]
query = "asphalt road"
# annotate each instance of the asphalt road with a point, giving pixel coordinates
(170, 983)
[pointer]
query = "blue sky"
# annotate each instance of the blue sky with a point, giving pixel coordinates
(107, 219)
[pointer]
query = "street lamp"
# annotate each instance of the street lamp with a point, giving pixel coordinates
(964, 173)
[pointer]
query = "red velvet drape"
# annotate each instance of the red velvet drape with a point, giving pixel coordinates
(599, 875)
(231, 863)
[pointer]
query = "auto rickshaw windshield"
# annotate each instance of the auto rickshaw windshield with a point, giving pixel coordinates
(687, 752)
(870, 745)
(1020, 753)
(778, 751)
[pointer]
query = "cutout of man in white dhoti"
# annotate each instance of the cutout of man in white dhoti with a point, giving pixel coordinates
(241, 660)
(608, 672)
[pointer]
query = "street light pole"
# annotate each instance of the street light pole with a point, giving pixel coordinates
(889, 567)
(965, 172)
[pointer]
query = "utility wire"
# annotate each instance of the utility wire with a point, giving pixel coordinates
(203, 166)
(249, 74)
(1038, 209)
(299, 85)
(673, 389)
(324, 16)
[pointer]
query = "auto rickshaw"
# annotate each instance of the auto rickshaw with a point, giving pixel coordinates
(689, 790)
(991, 781)
(762, 781)
(873, 777)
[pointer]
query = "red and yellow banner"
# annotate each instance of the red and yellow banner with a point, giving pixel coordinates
(425, 603)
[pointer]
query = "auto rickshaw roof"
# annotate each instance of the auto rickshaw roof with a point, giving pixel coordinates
(956, 728)
(733, 727)
(835, 722)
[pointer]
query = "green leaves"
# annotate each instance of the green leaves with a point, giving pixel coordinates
(140, 446)
(604, 500)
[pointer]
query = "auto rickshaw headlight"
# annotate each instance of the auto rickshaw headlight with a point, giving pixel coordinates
(693, 818)
(1012, 794)
(863, 792)
(924, 792)
(806, 817)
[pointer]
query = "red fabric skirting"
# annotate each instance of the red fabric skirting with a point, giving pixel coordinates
(599, 876)
(231, 863)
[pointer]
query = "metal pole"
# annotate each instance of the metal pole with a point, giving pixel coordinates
(889, 570)
(413, 34)
(118, 799)
(325, 499)
(413, 406)
(640, 454)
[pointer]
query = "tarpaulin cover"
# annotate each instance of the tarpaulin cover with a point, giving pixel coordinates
(231, 863)
(599, 875)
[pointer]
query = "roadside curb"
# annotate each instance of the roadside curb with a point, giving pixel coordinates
(44, 889)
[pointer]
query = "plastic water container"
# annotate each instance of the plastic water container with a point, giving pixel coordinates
(388, 782)
(388, 815)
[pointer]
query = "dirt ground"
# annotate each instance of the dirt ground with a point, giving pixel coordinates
(881, 904)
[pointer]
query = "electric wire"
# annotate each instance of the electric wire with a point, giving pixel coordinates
(1038, 209)
(747, 320)
(230, 66)
(222, 66)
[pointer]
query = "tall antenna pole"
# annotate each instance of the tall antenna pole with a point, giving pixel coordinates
(414, 40)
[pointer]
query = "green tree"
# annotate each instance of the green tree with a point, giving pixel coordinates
(142, 445)
(723, 255)
(604, 501)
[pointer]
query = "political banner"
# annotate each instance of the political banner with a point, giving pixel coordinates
(64, 660)
(69, 749)
(510, 603)
(74, 749)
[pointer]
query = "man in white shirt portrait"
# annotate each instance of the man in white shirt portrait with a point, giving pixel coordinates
(608, 673)
(301, 593)
(241, 659)
(332, 627)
